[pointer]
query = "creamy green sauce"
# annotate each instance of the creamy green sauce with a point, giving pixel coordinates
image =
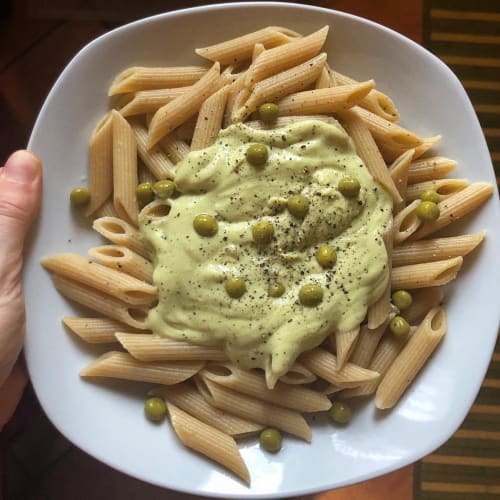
(308, 158)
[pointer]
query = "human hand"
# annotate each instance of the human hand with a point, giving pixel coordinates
(20, 193)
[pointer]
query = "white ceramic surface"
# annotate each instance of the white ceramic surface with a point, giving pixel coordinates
(106, 419)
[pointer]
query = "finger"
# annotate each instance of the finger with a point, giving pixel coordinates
(11, 392)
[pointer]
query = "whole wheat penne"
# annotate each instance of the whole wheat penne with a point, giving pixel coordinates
(298, 374)
(427, 274)
(145, 175)
(253, 409)
(411, 359)
(253, 384)
(155, 159)
(124, 169)
(286, 56)
(390, 151)
(156, 348)
(102, 303)
(116, 364)
(100, 164)
(124, 260)
(399, 173)
(426, 169)
(175, 147)
(377, 102)
(443, 187)
(277, 86)
(149, 101)
(121, 233)
(209, 120)
(405, 223)
(368, 341)
(139, 78)
(344, 344)
(107, 280)
(325, 79)
(107, 209)
(97, 330)
(424, 299)
(368, 151)
(436, 249)
(241, 48)
(324, 364)
(172, 114)
(325, 100)
(187, 398)
(455, 207)
(208, 441)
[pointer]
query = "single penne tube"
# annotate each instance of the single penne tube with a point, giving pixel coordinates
(175, 148)
(239, 100)
(172, 114)
(102, 303)
(209, 120)
(139, 78)
(254, 409)
(386, 352)
(426, 169)
(253, 384)
(105, 279)
(155, 159)
(411, 359)
(324, 364)
(298, 374)
(124, 260)
(107, 209)
(149, 101)
(100, 169)
(124, 169)
(121, 233)
(424, 299)
(377, 102)
(97, 330)
(283, 121)
(406, 222)
(390, 151)
(325, 79)
(285, 56)
(455, 207)
(186, 396)
(241, 48)
(436, 249)
(386, 131)
(344, 344)
(258, 48)
(234, 92)
(208, 440)
(155, 210)
(379, 311)
(368, 341)
(280, 85)
(325, 100)
(399, 173)
(427, 274)
(368, 151)
(443, 187)
(156, 348)
(122, 365)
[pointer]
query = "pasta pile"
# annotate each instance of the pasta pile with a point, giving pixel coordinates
(161, 115)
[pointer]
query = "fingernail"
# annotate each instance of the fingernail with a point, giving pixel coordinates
(22, 167)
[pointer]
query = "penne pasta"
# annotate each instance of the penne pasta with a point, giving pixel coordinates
(344, 344)
(106, 210)
(368, 341)
(391, 151)
(149, 101)
(443, 187)
(426, 169)
(424, 299)
(298, 374)
(325, 79)
(405, 223)
(399, 173)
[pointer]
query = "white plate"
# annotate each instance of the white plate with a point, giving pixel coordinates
(106, 419)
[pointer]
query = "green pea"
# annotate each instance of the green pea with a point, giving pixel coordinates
(326, 256)
(349, 187)
(205, 225)
(235, 287)
(428, 211)
(257, 154)
(399, 326)
(430, 195)
(164, 189)
(340, 412)
(144, 193)
(79, 197)
(310, 295)
(298, 205)
(268, 112)
(270, 439)
(263, 232)
(276, 290)
(402, 299)
(155, 409)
